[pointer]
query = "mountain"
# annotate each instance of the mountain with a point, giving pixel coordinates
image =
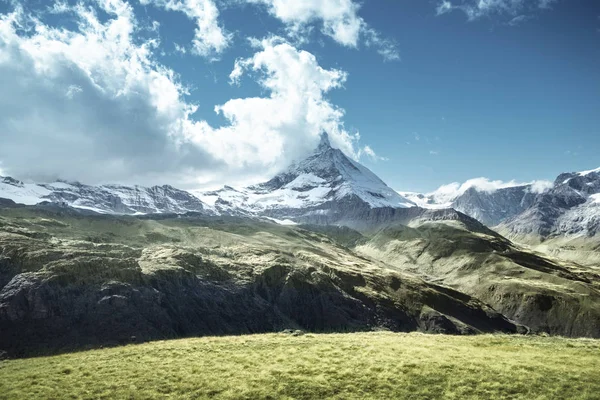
(110, 199)
(489, 205)
(571, 207)
(560, 219)
(327, 185)
(563, 222)
(329, 188)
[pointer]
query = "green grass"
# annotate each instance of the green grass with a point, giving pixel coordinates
(377, 365)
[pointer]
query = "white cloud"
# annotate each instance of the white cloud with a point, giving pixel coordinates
(339, 17)
(386, 48)
(518, 20)
(268, 132)
(89, 103)
(339, 20)
(210, 38)
(475, 9)
(546, 3)
(180, 49)
(444, 7)
(434, 152)
(540, 186)
(93, 104)
(369, 152)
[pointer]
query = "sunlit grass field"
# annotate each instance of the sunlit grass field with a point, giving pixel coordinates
(378, 365)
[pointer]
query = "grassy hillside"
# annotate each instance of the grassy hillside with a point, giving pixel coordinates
(542, 293)
(344, 366)
(70, 281)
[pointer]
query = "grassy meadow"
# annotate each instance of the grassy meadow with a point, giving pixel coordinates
(377, 365)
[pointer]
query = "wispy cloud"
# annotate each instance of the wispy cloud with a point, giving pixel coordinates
(368, 151)
(338, 19)
(519, 19)
(518, 10)
(443, 7)
(210, 38)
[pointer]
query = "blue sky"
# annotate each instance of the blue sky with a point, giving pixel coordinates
(438, 91)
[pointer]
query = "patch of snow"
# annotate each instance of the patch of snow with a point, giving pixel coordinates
(425, 200)
(283, 221)
(60, 185)
(583, 173)
(25, 193)
(305, 180)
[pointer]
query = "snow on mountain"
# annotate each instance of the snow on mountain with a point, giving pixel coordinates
(328, 187)
(326, 175)
(317, 184)
(325, 183)
(584, 173)
(571, 207)
(21, 193)
(490, 202)
(425, 200)
(111, 199)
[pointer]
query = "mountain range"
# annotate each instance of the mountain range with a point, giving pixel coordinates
(328, 187)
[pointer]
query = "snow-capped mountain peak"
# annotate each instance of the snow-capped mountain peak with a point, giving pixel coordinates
(326, 175)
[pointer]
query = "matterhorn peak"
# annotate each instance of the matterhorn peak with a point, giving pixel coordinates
(324, 144)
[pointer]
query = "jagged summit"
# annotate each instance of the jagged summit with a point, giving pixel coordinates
(570, 207)
(324, 143)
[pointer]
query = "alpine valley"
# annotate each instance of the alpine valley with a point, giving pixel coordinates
(323, 246)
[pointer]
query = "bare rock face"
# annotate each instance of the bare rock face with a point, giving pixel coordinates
(491, 208)
(64, 288)
(571, 207)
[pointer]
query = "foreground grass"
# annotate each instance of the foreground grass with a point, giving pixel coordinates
(344, 366)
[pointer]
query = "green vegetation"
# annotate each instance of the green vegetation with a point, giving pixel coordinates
(541, 292)
(379, 365)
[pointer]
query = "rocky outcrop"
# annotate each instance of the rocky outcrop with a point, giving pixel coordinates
(491, 208)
